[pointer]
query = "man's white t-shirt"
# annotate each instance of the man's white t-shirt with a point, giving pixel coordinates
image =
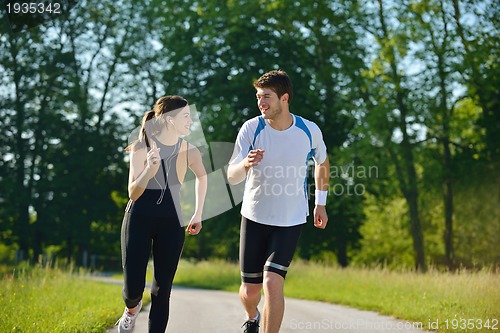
(276, 189)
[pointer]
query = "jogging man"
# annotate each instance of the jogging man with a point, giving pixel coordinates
(271, 153)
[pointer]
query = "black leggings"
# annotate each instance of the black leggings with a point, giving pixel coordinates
(165, 237)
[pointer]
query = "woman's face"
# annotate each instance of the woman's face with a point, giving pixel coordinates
(182, 122)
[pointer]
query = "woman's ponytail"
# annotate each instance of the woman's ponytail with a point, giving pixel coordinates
(151, 126)
(147, 126)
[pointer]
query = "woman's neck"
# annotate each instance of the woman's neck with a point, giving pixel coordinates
(168, 137)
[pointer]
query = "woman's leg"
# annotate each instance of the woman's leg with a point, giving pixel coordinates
(167, 248)
(136, 248)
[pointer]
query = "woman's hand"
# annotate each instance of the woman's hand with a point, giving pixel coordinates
(194, 226)
(153, 159)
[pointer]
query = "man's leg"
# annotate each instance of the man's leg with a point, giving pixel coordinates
(284, 241)
(253, 254)
(250, 297)
(274, 302)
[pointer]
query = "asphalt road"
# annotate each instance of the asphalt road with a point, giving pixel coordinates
(199, 311)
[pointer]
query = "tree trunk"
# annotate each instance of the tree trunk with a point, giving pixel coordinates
(408, 185)
(21, 193)
(341, 251)
(447, 167)
(448, 205)
(407, 175)
(443, 110)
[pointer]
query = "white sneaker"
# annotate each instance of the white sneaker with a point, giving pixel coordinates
(127, 322)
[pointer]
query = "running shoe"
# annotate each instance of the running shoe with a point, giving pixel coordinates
(252, 325)
(126, 323)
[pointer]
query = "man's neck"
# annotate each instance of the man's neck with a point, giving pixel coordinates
(282, 122)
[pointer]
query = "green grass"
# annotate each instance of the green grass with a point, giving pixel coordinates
(422, 298)
(216, 274)
(62, 301)
(53, 300)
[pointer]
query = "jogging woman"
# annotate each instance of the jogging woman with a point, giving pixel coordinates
(159, 159)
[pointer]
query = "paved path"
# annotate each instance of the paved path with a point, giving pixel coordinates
(199, 311)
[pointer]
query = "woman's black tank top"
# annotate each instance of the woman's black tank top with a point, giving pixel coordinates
(161, 198)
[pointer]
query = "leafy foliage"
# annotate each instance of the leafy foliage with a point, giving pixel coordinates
(411, 97)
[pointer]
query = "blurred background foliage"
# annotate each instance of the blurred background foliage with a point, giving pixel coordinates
(405, 92)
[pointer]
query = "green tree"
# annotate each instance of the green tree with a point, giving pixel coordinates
(67, 141)
(391, 115)
(439, 34)
(221, 47)
(479, 39)
(436, 39)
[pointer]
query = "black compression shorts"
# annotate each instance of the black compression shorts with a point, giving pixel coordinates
(266, 248)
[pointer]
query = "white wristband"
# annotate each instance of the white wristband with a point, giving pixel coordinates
(320, 197)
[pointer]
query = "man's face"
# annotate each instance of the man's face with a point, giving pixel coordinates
(268, 102)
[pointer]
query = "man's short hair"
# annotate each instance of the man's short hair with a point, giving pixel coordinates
(278, 81)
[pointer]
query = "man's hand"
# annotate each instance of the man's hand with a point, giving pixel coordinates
(254, 157)
(236, 173)
(320, 217)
